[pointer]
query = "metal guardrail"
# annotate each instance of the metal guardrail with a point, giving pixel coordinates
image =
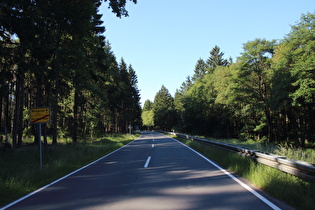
(297, 168)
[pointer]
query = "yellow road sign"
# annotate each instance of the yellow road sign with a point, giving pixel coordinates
(40, 115)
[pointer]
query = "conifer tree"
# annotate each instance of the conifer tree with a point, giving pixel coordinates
(164, 112)
(200, 70)
(216, 59)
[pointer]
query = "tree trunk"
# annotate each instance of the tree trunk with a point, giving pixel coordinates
(55, 113)
(7, 116)
(21, 107)
(16, 112)
(75, 117)
(1, 108)
(269, 124)
(38, 103)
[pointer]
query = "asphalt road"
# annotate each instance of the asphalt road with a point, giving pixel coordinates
(152, 172)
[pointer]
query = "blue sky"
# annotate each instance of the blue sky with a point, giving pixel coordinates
(163, 39)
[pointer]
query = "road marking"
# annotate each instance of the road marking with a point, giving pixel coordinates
(147, 162)
(266, 201)
(62, 178)
(152, 145)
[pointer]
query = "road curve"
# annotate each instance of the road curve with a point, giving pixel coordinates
(152, 172)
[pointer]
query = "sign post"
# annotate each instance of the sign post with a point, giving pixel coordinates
(39, 116)
(130, 127)
(40, 147)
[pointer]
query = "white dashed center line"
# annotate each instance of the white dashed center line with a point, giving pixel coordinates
(147, 162)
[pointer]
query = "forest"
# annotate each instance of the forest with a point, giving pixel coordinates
(54, 54)
(267, 94)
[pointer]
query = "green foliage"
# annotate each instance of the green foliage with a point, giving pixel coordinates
(118, 7)
(302, 41)
(253, 83)
(163, 109)
(148, 105)
(147, 115)
(148, 118)
(54, 54)
(200, 70)
(195, 101)
(216, 59)
(268, 94)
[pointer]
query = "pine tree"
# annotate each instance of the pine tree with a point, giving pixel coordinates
(216, 59)
(253, 85)
(163, 108)
(59, 55)
(200, 70)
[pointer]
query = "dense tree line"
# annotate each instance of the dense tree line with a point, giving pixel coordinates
(268, 93)
(53, 53)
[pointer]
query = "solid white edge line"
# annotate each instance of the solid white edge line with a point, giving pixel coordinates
(147, 162)
(58, 180)
(269, 203)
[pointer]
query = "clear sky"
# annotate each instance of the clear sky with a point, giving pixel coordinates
(163, 39)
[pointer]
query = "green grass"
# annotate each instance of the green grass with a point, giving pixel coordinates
(290, 189)
(303, 154)
(20, 172)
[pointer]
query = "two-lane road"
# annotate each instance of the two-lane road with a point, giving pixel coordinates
(152, 172)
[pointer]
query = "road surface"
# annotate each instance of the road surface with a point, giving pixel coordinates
(152, 172)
